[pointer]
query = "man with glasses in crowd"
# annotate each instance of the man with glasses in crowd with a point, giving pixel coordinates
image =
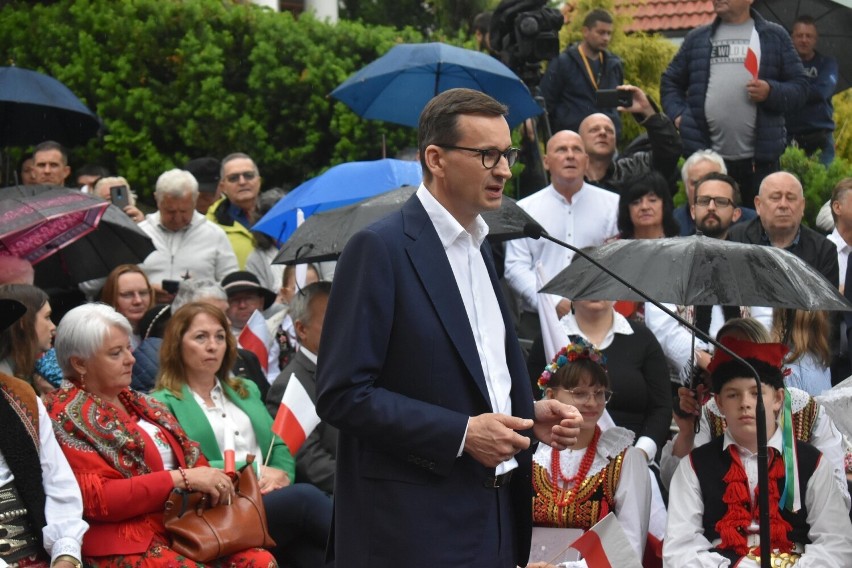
(236, 212)
(421, 371)
(716, 206)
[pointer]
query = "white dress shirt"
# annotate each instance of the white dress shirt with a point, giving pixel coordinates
(63, 504)
(589, 219)
(685, 545)
(230, 425)
(462, 246)
(843, 250)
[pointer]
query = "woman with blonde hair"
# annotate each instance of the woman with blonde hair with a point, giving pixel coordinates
(809, 359)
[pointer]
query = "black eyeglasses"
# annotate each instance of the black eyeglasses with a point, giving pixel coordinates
(490, 157)
(721, 202)
(234, 178)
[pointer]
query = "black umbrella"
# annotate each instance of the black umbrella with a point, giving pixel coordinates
(35, 108)
(833, 22)
(323, 235)
(116, 240)
(699, 270)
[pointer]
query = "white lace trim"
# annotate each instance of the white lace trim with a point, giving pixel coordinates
(611, 443)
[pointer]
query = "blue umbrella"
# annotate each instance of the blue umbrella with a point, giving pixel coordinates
(341, 185)
(396, 86)
(35, 108)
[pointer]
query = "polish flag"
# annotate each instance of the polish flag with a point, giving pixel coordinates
(296, 417)
(606, 546)
(752, 60)
(255, 337)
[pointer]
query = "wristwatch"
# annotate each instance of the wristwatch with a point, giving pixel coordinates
(68, 558)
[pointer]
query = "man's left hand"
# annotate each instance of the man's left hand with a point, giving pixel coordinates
(758, 90)
(556, 424)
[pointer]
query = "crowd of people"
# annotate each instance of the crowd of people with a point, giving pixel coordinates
(441, 441)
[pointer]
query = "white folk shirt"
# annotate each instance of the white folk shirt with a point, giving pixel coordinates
(63, 503)
(462, 246)
(685, 545)
(589, 219)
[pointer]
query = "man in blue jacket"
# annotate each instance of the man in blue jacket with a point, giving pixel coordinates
(812, 127)
(575, 75)
(716, 101)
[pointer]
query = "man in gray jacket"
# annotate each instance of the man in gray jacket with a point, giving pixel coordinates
(187, 244)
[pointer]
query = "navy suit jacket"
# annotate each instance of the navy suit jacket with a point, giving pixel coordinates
(399, 375)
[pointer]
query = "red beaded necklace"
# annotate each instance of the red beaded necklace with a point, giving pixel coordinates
(564, 493)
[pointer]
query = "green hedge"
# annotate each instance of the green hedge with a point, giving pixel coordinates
(177, 79)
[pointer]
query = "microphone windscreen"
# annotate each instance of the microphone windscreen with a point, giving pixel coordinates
(534, 230)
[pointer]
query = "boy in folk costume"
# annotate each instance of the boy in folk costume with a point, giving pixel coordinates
(602, 472)
(713, 517)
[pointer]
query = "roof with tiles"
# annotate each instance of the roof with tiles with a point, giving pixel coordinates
(666, 15)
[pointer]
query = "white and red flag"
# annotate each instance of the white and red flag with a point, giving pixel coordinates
(606, 546)
(255, 337)
(296, 417)
(752, 60)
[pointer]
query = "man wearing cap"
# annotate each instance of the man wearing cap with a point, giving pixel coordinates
(187, 244)
(245, 295)
(206, 172)
(236, 212)
(41, 506)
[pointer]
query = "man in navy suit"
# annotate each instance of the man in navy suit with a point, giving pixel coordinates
(421, 370)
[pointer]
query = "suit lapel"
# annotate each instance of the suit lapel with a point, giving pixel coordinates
(433, 268)
(194, 421)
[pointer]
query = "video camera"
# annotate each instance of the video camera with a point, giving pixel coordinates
(524, 33)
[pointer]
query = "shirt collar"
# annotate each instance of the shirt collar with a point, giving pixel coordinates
(837, 239)
(448, 228)
(775, 441)
(311, 356)
(764, 238)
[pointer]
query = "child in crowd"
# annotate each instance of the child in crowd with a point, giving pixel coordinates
(602, 472)
(713, 517)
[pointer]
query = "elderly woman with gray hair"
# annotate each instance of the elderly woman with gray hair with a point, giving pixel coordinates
(127, 451)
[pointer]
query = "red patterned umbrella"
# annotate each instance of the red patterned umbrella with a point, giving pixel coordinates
(36, 226)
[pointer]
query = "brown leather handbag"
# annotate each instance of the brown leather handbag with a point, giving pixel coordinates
(203, 533)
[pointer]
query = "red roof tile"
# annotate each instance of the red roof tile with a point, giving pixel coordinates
(666, 15)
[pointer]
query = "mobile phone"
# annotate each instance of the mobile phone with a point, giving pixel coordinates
(611, 98)
(120, 196)
(171, 286)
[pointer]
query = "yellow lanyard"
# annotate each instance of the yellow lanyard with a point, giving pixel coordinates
(589, 67)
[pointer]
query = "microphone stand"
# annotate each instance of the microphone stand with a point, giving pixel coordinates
(536, 231)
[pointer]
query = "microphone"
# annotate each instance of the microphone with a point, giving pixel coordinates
(536, 231)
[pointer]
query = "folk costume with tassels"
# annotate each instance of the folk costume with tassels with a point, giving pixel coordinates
(716, 520)
(104, 444)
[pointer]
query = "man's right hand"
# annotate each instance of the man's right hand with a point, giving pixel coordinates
(491, 438)
(160, 295)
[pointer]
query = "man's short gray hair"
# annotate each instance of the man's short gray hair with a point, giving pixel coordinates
(701, 156)
(83, 331)
(301, 302)
(176, 183)
(195, 290)
(236, 156)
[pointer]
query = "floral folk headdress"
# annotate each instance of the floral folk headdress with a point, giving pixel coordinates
(578, 349)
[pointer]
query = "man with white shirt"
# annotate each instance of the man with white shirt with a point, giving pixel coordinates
(569, 209)
(715, 208)
(841, 236)
(421, 371)
(187, 244)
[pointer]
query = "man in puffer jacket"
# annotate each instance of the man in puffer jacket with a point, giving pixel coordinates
(715, 101)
